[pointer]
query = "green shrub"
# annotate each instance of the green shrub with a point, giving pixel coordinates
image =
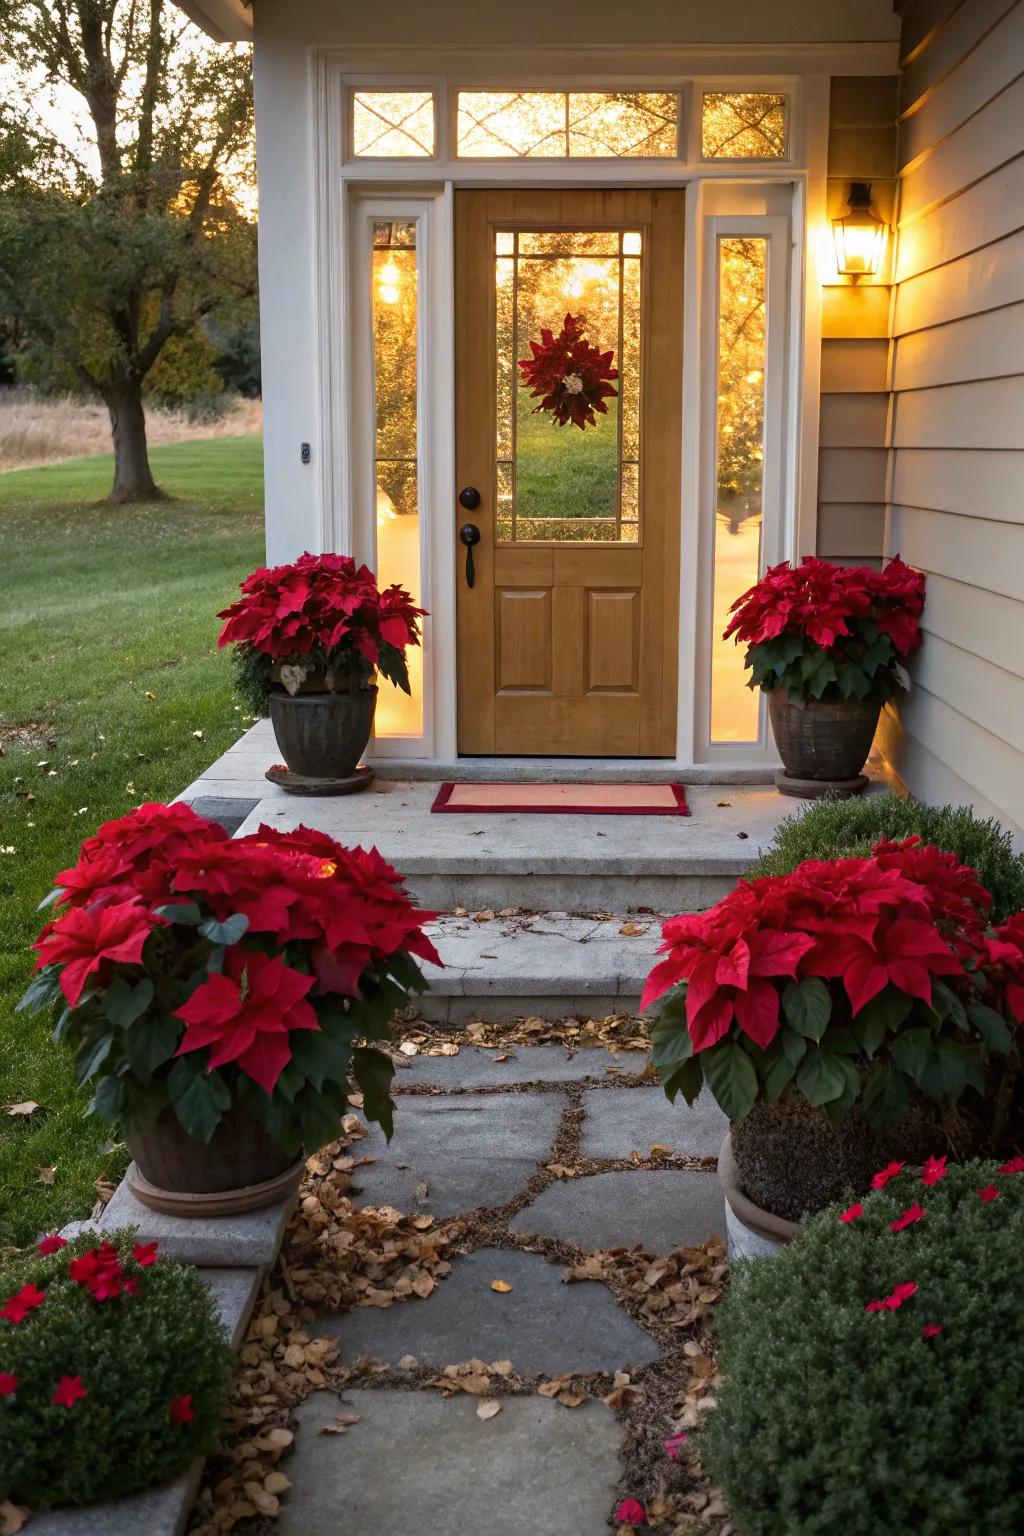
(834, 1419)
(844, 829)
(134, 1354)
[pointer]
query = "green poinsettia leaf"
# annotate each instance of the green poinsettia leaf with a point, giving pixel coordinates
(729, 1073)
(123, 1002)
(821, 1076)
(807, 1005)
(373, 1072)
(152, 1044)
(199, 1098)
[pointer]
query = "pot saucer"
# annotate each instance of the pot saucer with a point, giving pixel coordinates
(815, 789)
(301, 784)
(227, 1202)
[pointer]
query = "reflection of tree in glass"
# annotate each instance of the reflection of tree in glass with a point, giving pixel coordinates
(394, 351)
(741, 360)
(743, 125)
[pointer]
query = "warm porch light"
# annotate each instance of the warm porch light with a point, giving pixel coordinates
(388, 281)
(859, 235)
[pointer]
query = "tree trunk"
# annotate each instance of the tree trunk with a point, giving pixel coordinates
(133, 478)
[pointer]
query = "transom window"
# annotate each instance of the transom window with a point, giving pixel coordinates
(568, 125)
(743, 125)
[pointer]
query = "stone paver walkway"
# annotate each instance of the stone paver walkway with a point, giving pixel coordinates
(494, 1144)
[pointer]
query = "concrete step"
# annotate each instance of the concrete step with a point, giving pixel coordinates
(547, 965)
(552, 863)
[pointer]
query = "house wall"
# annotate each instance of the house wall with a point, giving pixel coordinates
(957, 427)
(855, 330)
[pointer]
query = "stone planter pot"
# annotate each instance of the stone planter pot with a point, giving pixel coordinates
(753, 1233)
(238, 1169)
(323, 735)
(822, 746)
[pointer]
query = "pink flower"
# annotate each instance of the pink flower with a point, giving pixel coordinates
(931, 1330)
(909, 1216)
(674, 1444)
(852, 1213)
(630, 1512)
(69, 1390)
(52, 1243)
(934, 1170)
(895, 1299)
(16, 1308)
(180, 1410)
(8, 1384)
(1015, 1165)
(144, 1254)
(882, 1178)
(988, 1194)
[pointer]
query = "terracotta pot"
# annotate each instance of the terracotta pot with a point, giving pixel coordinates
(824, 742)
(323, 735)
(238, 1169)
(752, 1231)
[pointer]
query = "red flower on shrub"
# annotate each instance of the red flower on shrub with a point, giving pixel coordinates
(895, 1299)
(912, 1214)
(245, 1015)
(631, 1512)
(99, 1271)
(852, 1213)
(988, 1194)
(1015, 1165)
(934, 1169)
(69, 1392)
(87, 939)
(180, 1410)
(931, 1330)
(8, 1384)
(145, 1254)
(52, 1243)
(881, 1179)
(16, 1308)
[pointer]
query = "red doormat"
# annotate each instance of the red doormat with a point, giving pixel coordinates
(564, 799)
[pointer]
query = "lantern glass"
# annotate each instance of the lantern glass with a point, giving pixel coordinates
(859, 236)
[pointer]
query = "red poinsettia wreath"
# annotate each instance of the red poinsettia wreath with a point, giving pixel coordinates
(569, 375)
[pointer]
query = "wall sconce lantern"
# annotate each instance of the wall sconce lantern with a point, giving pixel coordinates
(859, 235)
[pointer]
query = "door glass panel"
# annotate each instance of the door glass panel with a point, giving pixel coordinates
(394, 309)
(591, 125)
(739, 472)
(567, 388)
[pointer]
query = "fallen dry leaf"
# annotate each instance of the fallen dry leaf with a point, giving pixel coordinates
(632, 931)
(409, 1048)
(12, 1517)
(502, 1286)
(45, 1175)
(29, 1107)
(488, 1408)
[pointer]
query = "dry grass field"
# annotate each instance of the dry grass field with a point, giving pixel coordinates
(35, 431)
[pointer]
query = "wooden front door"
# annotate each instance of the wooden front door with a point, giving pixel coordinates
(568, 637)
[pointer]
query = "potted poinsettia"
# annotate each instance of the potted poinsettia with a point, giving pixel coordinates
(310, 637)
(219, 993)
(828, 644)
(850, 1013)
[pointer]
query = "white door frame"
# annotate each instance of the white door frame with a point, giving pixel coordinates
(348, 193)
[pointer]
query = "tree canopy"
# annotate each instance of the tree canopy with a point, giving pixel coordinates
(114, 251)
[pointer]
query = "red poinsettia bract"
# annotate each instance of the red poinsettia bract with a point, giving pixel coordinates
(822, 600)
(245, 1014)
(904, 918)
(88, 940)
(570, 377)
(317, 605)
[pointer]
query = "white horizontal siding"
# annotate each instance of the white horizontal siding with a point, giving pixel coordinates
(975, 482)
(993, 135)
(990, 695)
(950, 46)
(986, 555)
(984, 346)
(851, 474)
(853, 421)
(986, 279)
(982, 213)
(917, 766)
(987, 625)
(989, 414)
(990, 765)
(988, 68)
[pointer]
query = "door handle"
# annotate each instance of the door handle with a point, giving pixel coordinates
(469, 535)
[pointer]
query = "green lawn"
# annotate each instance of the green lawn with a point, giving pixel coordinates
(100, 606)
